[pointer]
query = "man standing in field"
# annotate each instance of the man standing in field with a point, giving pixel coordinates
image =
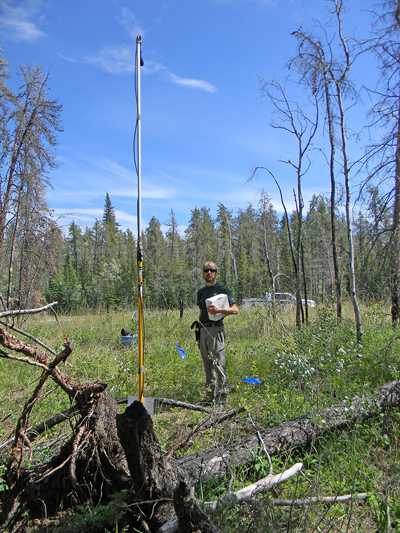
(212, 335)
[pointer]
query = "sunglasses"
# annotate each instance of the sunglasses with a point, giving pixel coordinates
(209, 270)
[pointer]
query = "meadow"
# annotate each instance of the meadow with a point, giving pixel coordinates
(300, 371)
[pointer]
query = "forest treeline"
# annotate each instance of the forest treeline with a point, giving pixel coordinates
(326, 250)
(97, 266)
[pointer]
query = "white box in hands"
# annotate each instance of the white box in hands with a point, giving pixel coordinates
(220, 300)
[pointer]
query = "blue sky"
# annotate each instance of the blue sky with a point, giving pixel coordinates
(204, 127)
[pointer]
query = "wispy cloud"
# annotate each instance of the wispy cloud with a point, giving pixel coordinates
(192, 83)
(121, 60)
(69, 59)
(91, 177)
(17, 21)
(152, 67)
(125, 219)
(129, 22)
(114, 59)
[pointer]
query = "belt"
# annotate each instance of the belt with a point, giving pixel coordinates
(216, 324)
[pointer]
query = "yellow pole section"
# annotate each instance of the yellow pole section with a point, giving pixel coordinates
(140, 318)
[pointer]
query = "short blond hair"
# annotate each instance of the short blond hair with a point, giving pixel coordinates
(210, 264)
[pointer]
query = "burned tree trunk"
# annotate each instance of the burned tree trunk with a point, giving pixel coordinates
(158, 487)
(153, 479)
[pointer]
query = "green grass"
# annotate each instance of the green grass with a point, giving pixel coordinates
(301, 371)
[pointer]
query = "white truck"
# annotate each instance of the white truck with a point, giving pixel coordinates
(281, 298)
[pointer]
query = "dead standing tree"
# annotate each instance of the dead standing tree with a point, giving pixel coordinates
(302, 123)
(327, 75)
(28, 134)
(311, 64)
(383, 154)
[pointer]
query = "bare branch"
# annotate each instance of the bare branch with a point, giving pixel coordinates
(258, 487)
(29, 336)
(241, 495)
(23, 360)
(184, 405)
(28, 311)
(321, 499)
(35, 431)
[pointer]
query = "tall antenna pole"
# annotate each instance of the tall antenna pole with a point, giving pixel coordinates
(139, 217)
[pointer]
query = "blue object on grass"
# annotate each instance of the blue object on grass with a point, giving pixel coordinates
(255, 381)
(181, 352)
(128, 341)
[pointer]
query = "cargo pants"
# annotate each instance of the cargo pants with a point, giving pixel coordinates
(212, 349)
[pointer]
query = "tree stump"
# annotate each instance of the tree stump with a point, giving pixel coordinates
(153, 479)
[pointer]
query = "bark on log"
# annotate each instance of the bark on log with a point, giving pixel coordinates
(288, 435)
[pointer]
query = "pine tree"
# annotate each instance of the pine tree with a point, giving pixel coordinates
(109, 211)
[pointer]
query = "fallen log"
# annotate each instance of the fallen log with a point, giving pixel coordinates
(183, 405)
(289, 435)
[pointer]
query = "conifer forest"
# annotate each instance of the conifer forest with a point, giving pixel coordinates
(97, 267)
